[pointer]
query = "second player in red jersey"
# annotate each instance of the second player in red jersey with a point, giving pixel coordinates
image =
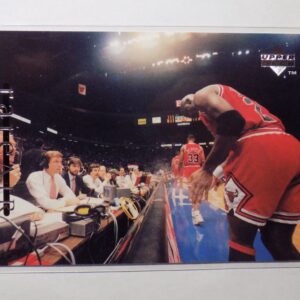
(191, 157)
(191, 160)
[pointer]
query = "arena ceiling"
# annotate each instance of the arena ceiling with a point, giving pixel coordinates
(132, 75)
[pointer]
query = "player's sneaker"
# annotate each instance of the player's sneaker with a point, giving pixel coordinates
(197, 217)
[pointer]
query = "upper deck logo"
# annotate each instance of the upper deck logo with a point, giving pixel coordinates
(278, 62)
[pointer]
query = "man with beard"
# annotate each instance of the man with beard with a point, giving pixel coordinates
(72, 178)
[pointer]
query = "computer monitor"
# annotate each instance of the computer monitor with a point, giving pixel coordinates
(109, 193)
(123, 192)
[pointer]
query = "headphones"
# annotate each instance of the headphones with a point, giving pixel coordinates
(85, 211)
(75, 160)
(129, 208)
(44, 163)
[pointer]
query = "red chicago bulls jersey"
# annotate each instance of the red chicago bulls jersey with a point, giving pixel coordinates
(255, 115)
(193, 155)
(175, 165)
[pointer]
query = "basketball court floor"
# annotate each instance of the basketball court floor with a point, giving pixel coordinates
(207, 243)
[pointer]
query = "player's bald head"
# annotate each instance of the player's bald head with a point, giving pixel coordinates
(187, 106)
(188, 99)
(191, 137)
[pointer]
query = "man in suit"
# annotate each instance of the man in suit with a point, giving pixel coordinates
(73, 180)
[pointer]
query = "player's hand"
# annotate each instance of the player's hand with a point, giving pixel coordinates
(14, 175)
(71, 202)
(215, 183)
(200, 184)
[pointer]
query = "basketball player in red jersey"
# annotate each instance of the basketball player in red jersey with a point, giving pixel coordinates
(262, 170)
(191, 159)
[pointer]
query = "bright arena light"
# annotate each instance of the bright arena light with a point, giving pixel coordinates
(204, 55)
(144, 40)
(166, 145)
(116, 47)
(133, 52)
(52, 130)
(186, 60)
(17, 117)
(115, 43)
(172, 61)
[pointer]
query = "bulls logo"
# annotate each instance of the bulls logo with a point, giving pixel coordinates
(235, 193)
(231, 195)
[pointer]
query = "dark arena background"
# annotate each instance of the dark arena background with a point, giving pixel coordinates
(122, 85)
(110, 98)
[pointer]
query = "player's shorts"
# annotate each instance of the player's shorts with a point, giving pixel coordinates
(263, 178)
(187, 171)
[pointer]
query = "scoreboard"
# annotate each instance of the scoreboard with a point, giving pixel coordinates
(169, 119)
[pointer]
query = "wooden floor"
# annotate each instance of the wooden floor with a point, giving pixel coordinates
(296, 237)
(216, 198)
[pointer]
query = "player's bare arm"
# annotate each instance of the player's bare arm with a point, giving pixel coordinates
(229, 124)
